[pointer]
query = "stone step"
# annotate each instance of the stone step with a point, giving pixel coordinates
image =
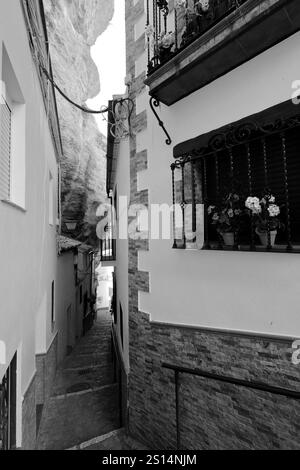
(116, 440)
(86, 360)
(96, 348)
(82, 379)
(73, 419)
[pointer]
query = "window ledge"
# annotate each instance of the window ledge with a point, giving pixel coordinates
(14, 206)
(247, 248)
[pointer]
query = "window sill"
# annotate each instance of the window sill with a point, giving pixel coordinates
(14, 206)
(247, 248)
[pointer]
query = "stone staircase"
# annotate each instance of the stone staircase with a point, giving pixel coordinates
(116, 440)
(84, 400)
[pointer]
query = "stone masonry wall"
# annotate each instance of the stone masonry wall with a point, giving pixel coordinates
(138, 323)
(29, 418)
(215, 415)
(46, 365)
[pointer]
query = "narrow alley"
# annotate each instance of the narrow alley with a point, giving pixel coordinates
(83, 410)
(150, 228)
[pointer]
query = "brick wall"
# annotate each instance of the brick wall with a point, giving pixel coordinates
(29, 418)
(138, 162)
(46, 366)
(213, 415)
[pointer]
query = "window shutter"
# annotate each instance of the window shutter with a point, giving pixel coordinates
(5, 150)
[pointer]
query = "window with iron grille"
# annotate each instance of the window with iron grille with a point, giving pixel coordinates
(244, 161)
(5, 150)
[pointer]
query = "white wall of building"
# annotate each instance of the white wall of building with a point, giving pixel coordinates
(251, 292)
(123, 189)
(28, 264)
(105, 286)
(66, 308)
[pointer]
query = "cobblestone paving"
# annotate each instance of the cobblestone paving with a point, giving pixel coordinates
(84, 401)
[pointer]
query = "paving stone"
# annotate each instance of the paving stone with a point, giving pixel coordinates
(78, 418)
(94, 376)
(84, 400)
(120, 441)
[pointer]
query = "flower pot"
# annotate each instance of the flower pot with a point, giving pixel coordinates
(165, 53)
(228, 238)
(264, 239)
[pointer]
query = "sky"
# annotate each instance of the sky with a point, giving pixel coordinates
(109, 54)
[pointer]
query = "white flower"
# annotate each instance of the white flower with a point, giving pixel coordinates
(204, 4)
(252, 202)
(210, 209)
(272, 199)
(180, 4)
(166, 40)
(230, 213)
(273, 210)
(149, 31)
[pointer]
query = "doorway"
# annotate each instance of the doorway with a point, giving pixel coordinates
(8, 407)
(70, 331)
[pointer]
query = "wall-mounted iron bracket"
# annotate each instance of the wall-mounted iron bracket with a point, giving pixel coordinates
(154, 103)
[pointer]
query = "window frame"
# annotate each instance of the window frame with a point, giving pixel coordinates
(13, 96)
(226, 139)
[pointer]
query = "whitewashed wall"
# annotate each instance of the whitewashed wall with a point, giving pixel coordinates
(28, 264)
(251, 292)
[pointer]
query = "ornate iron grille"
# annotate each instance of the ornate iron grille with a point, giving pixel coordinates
(248, 160)
(171, 28)
(4, 414)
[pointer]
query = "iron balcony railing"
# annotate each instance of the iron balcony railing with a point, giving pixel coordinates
(247, 160)
(173, 25)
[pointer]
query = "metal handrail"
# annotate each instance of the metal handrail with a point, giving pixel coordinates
(281, 391)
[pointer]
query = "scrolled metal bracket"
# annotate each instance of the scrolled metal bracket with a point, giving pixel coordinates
(154, 103)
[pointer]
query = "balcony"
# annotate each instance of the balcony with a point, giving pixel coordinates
(108, 248)
(196, 41)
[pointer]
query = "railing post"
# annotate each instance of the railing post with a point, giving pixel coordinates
(177, 409)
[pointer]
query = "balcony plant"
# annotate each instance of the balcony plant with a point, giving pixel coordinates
(266, 217)
(198, 18)
(165, 45)
(227, 217)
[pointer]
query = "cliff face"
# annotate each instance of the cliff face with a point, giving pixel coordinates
(73, 27)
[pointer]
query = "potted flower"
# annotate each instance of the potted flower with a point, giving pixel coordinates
(202, 7)
(266, 216)
(165, 43)
(227, 218)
